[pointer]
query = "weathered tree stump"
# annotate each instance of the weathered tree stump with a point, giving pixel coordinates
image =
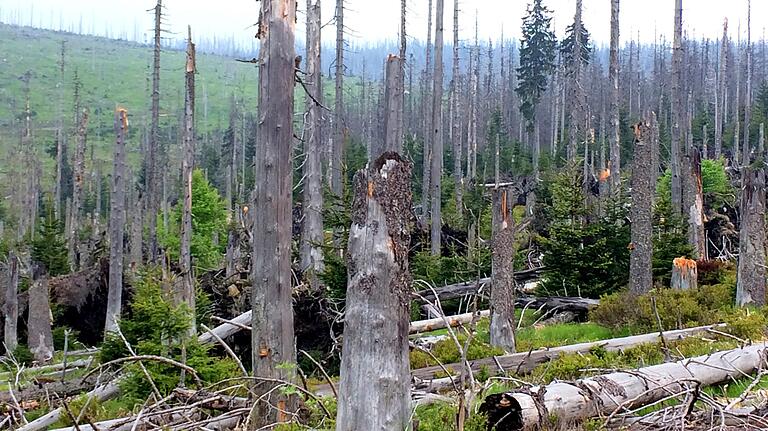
(685, 274)
(39, 335)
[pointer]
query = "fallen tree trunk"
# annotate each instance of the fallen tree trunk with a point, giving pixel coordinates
(608, 394)
(42, 387)
(453, 291)
(525, 362)
(439, 322)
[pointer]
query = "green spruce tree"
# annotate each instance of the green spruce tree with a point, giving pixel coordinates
(566, 47)
(537, 58)
(49, 248)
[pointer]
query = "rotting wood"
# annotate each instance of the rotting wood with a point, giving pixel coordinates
(685, 274)
(608, 394)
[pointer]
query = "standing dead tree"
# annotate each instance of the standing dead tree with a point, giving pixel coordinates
(151, 176)
(458, 178)
(185, 294)
(393, 111)
(613, 78)
(272, 338)
(374, 390)
(312, 236)
(117, 224)
(11, 306)
(61, 144)
(641, 247)
(337, 148)
(436, 133)
(720, 105)
(502, 329)
(39, 335)
(677, 113)
(77, 189)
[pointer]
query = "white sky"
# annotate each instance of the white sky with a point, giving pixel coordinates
(375, 20)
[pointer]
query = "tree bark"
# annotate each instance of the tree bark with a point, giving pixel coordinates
(11, 306)
(151, 175)
(502, 328)
(605, 394)
(750, 285)
(641, 250)
(574, 117)
(748, 88)
(117, 224)
(312, 236)
(60, 139)
(374, 390)
(185, 294)
(721, 87)
(677, 115)
(337, 149)
(737, 105)
(77, 189)
(393, 111)
(428, 133)
(458, 178)
(272, 340)
(613, 78)
(39, 335)
(436, 170)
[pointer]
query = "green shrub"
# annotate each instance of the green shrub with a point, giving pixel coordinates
(746, 324)
(446, 352)
(23, 355)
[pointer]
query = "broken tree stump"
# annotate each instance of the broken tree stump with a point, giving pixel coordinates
(685, 274)
(39, 335)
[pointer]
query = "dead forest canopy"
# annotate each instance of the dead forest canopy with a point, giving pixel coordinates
(305, 242)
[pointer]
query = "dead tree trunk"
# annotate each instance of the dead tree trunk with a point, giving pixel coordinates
(458, 178)
(721, 86)
(574, 113)
(77, 189)
(312, 236)
(185, 294)
(437, 133)
(748, 88)
(426, 104)
(502, 329)
(374, 390)
(610, 393)
(737, 105)
(151, 177)
(677, 114)
(613, 78)
(694, 200)
(750, 285)
(136, 252)
(60, 139)
(272, 340)
(11, 310)
(39, 335)
(117, 224)
(337, 149)
(393, 109)
(641, 250)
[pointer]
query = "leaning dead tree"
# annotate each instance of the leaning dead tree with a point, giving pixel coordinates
(374, 390)
(312, 236)
(185, 294)
(272, 338)
(11, 306)
(641, 247)
(610, 395)
(117, 224)
(502, 329)
(750, 285)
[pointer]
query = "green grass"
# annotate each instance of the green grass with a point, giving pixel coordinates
(564, 334)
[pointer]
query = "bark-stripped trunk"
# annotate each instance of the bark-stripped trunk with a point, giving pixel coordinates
(502, 329)
(426, 102)
(677, 114)
(750, 285)
(374, 390)
(609, 393)
(748, 88)
(11, 306)
(574, 117)
(337, 148)
(312, 236)
(136, 252)
(393, 110)
(437, 133)
(77, 189)
(458, 179)
(185, 294)
(694, 203)
(60, 139)
(151, 174)
(641, 250)
(737, 105)
(721, 87)
(272, 340)
(117, 224)
(39, 335)
(613, 80)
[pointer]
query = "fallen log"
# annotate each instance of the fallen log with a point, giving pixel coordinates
(439, 322)
(42, 386)
(525, 362)
(609, 394)
(453, 291)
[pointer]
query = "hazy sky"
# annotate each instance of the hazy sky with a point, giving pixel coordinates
(372, 20)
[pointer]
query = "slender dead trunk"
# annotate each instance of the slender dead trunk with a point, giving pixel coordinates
(750, 285)
(677, 114)
(77, 189)
(393, 109)
(272, 340)
(737, 105)
(39, 335)
(185, 294)
(613, 71)
(574, 117)
(117, 224)
(11, 306)
(502, 302)
(720, 94)
(748, 88)
(337, 150)
(374, 390)
(426, 102)
(641, 249)
(312, 235)
(437, 133)
(60, 138)
(151, 174)
(458, 178)
(136, 252)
